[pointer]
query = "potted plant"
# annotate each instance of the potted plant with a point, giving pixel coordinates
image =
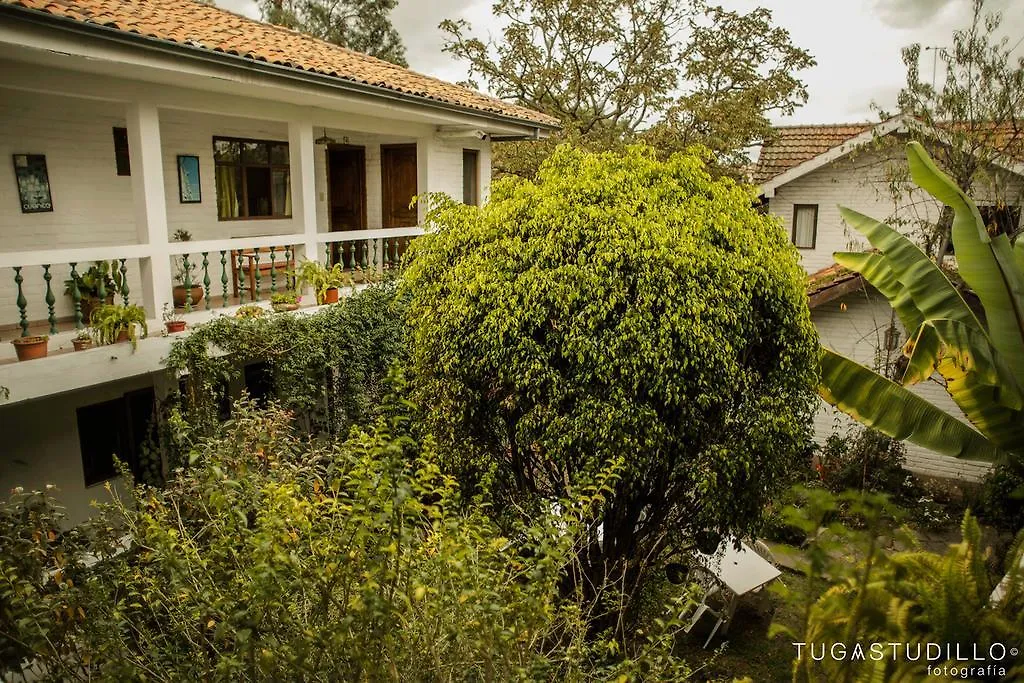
(30, 348)
(88, 283)
(285, 301)
(250, 311)
(112, 323)
(172, 321)
(82, 340)
(179, 293)
(323, 280)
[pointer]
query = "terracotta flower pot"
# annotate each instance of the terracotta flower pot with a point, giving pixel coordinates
(82, 344)
(174, 326)
(331, 296)
(179, 295)
(88, 304)
(122, 336)
(30, 348)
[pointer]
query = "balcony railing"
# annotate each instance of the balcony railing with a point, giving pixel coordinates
(46, 293)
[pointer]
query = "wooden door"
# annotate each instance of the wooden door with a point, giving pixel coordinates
(399, 185)
(346, 180)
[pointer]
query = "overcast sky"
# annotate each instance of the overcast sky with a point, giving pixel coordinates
(856, 42)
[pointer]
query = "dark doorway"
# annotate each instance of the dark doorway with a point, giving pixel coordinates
(399, 185)
(346, 180)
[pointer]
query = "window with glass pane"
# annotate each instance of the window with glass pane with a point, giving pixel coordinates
(253, 179)
(470, 177)
(805, 225)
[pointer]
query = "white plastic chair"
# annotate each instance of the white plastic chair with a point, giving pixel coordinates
(712, 591)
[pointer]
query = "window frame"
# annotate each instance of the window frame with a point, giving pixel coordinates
(814, 230)
(122, 151)
(475, 154)
(117, 416)
(240, 165)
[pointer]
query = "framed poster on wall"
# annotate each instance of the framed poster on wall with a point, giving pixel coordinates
(33, 183)
(189, 190)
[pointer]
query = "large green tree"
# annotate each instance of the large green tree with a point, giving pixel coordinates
(972, 93)
(361, 25)
(619, 307)
(613, 70)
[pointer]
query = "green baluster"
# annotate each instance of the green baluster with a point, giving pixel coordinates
(386, 263)
(206, 277)
(394, 256)
(124, 282)
(364, 262)
(22, 302)
(224, 278)
(76, 297)
(375, 243)
(256, 267)
(348, 262)
(273, 272)
(289, 279)
(187, 268)
(101, 286)
(241, 285)
(327, 252)
(50, 299)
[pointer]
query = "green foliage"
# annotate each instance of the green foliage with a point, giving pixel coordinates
(909, 597)
(981, 364)
(607, 69)
(321, 278)
(272, 558)
(1002, 497)
(329, 368)
(250, 311)
(105, 272)
(863, 459)
(360, 25)
(111, 322)
(287, 297)
(618, 307)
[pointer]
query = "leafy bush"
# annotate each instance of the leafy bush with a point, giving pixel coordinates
(860, 590)
(1002, 497)
(617, 307)
(274, 558)
(862, 459)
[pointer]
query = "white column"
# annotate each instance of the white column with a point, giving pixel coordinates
(303, 176)
(484, 172)
(149, 199)
(425, 152)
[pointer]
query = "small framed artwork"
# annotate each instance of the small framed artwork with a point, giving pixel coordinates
(33, 183)
(189, 191)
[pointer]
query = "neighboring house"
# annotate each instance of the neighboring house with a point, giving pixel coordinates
(123, 122)
(804, 174)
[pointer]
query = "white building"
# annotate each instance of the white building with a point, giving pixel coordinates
(122, 123)
(804, 175)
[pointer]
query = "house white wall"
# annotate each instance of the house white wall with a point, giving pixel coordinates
(41, 446)
(855, 326)
(861, 181)
(93, 206)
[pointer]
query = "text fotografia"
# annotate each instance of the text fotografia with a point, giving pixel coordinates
(908, 652)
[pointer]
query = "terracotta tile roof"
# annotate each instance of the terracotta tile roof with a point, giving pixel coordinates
(186, 22)
(831, 283)
(793, 145)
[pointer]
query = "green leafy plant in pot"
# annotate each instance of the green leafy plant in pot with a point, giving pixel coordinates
(82, 340)
(324, 281)
(30, 348)
(285, 301)
(183, 275)
(112, 324)
(172, 321)
(99, 284)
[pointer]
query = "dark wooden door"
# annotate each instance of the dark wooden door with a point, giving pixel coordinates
(346, 179)
(398, 181)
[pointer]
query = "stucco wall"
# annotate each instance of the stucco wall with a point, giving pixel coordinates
(41, 445)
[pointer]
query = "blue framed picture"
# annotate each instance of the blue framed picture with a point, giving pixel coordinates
(189, 190)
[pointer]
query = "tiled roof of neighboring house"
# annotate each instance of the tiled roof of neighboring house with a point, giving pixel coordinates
(831, 283)
(793, 145)
(196, 25)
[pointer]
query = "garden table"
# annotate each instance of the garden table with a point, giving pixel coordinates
(741, 570)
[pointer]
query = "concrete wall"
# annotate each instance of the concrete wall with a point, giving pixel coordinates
(41, 445)
(855, 326)
(862, 182)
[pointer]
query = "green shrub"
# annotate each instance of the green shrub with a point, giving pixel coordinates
(1002, 497)
(863, 459)
(273, 558)
(617, 307)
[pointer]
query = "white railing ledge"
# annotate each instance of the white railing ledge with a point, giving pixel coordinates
(84, 255)
(376, 234)
(234, 244)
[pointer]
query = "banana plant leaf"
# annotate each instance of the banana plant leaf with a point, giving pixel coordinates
(894, 410)
(987, 264)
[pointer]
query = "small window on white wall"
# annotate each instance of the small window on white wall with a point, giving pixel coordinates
(470, 177)
(805, 225)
